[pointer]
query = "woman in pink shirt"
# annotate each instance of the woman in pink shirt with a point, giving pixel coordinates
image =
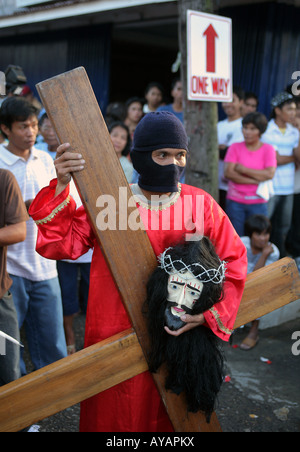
(246, 165)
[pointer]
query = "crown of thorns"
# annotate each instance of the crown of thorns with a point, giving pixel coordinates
(214, 275)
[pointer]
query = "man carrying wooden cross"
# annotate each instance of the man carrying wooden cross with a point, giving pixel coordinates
(159, 155)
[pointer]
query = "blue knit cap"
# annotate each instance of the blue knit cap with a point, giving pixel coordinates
(159, 130)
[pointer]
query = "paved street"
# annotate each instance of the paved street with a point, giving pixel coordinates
(263, 394)
(258, 396)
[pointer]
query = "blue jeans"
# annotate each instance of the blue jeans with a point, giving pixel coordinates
(280, 208)
(39, 308)
(238, 213)
(68, 279)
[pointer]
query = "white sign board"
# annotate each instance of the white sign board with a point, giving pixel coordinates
(209, 57)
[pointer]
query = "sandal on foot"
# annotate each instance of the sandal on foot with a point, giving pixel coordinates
(248, 343)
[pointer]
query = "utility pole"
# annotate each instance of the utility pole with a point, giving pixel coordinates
(200, 118)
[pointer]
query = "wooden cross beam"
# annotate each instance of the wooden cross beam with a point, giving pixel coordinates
(101, 366)
(71, 106)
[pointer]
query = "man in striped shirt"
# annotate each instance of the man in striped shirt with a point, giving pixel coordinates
(285, 139)
(35, 288)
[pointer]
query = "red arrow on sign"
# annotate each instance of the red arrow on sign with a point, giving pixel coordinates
(211, 35)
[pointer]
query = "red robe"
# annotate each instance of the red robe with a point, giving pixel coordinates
(65, 232)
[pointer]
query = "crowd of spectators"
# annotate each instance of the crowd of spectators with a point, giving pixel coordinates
(259, 188)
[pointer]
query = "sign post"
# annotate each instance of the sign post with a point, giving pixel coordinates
(209, 55)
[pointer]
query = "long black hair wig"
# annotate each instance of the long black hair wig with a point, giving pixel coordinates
(194, 359)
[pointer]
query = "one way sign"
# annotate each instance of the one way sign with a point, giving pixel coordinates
(209, 57)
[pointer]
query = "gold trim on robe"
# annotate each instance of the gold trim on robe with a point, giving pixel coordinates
(54, 212)
(161, 205)
(219, 321)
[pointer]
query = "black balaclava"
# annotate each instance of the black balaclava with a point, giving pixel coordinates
(158, 130)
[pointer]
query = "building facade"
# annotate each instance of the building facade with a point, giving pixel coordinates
(125, 44)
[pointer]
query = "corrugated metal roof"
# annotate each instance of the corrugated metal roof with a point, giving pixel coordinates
(42, 7)
(57, 5)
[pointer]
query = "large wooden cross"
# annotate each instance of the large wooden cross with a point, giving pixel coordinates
(71, 105)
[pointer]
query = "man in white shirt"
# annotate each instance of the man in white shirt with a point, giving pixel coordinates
(70, 273)
(35, 288)
(285, 139)
(229, 131)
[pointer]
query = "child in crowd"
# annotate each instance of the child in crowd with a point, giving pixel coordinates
(134, 113)
(176, 107)
(120, 136)
(260, 253)
(47, 139)
(154, 93)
